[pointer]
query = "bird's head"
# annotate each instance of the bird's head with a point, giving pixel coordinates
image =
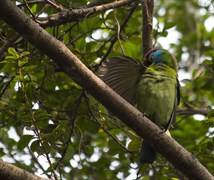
(159, 57)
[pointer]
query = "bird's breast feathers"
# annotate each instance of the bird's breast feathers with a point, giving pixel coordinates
(156, 94)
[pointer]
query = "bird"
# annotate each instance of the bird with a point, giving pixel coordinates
(152, 86)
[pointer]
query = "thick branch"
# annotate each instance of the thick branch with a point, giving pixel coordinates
(71, 15)
(9, 171)
(71, 65)
(147, 11)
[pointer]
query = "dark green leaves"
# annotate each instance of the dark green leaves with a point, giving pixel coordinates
(24, 141)
(55, 119)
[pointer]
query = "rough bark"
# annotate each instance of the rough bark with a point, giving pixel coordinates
(11, 172)
(71, 65)
(70, 15)
(147, 12)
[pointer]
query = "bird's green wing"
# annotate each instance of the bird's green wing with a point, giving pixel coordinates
(176, 103)
(178, 93)
(122, 74)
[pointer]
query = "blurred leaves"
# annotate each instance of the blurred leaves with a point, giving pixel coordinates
(45, 115)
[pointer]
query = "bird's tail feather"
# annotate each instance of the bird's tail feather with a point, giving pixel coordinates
(147, 153)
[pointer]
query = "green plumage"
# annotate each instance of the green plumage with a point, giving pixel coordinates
(156, 93)
(152, 86)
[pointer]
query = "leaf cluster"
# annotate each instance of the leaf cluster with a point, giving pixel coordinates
(50, 125)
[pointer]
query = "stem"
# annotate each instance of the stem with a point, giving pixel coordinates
(147, 12)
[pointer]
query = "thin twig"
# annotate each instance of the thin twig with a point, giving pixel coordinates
(7, 44)
(72, 126)
(192, 111)
(118, 33)
(32, 2)
(6, 86)
(73, 67)
(115, 36)
(36, 129)
(58, 7)
(28, 7)
(75, 15)
(105, 130)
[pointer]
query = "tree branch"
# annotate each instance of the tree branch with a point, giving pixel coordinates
(32, 2)
(147, 11)
(9, 171)
(73, 67)
(73, 15)
(192, 111)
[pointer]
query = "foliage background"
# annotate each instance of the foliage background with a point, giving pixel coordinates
(50, 125)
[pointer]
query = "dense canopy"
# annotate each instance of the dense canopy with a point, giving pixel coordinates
(53, 128)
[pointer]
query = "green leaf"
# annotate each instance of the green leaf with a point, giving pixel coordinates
(35, 146)
(19, 78)
(135, 145)
(210, 114)
(114, 148)
(24, 141)
(13, 52)
(169, 25)
(69, 122)
(164, 33)
(9, 57)
(70, 152)
(22, 61)
(2, 153)
(42, 114)
(2, 104)
(25, 53)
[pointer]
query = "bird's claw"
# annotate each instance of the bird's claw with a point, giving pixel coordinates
(145, 114)
(163, 130)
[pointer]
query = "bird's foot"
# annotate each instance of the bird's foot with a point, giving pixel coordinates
(163, 130)
(145, 114)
